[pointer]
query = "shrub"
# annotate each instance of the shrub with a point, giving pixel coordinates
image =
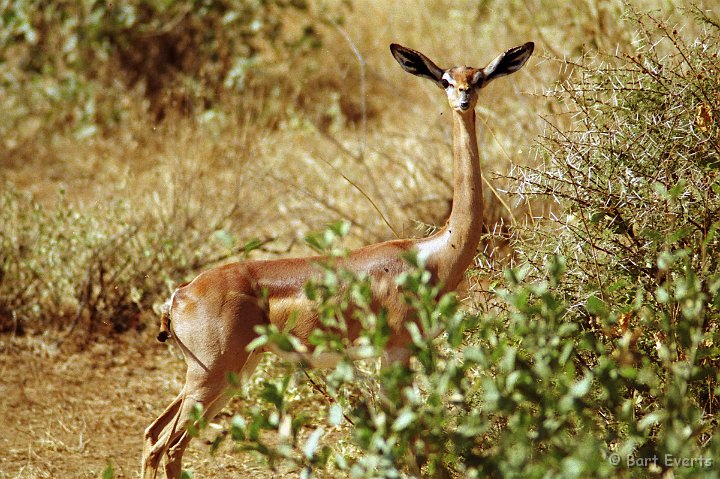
(84, 67)
(526, 393)
(98, 268)
(636, 178)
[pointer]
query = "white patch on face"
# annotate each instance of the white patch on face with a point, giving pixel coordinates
(446, 76)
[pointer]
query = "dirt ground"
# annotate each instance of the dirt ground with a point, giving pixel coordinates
(69, 414)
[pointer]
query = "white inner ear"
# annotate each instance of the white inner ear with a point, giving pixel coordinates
(446, 76)
(477, 77)
(493, 65)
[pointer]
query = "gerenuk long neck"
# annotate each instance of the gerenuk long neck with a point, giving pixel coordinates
(450, 251)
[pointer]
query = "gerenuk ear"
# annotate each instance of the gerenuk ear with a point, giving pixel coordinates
(416, 63)
(508, 62)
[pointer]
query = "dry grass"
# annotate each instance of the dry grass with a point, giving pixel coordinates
(75, 413)
(402, 160)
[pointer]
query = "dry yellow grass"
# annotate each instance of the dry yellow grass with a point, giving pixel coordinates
(290, 177)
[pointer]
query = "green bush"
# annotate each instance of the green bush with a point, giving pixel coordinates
(636, 179)
(526, 393)
(98, 268)
(84, 66)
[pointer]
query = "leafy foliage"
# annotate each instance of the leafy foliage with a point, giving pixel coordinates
(525, 393)
(637, 178)
(97, 269)
(73, 63)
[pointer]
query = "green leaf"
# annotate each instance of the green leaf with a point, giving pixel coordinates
(233, 379)
(595, 306)
(660, 189)
(312, 443)
(596, 216)
(258, 342)
(316, 242)
(405, 418)
(581, 387)
(109, 471)
(252, 245)
(273, 394)
(573, 467)
(679, 234)
(335, 414)
(416, 335)
(651, 419)
(677, 190)
(507, 363)
(224, 238)
(216, 444)
(344, 371)
(710, 235)
(340, 228)
(665, 260)
(237, 428)
(618, 285)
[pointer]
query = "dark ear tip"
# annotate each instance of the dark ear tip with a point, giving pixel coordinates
(530, 46)
(394, 47)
